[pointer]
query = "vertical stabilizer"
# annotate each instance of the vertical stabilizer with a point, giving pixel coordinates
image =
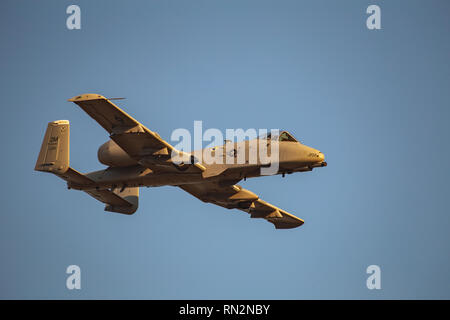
(54, 154)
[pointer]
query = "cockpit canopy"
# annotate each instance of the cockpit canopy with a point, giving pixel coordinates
(281, 136)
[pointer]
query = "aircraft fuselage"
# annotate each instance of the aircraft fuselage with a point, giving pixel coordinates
(124, 171)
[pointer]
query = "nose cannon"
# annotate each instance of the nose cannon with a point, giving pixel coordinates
(319, 161)
(318, 165)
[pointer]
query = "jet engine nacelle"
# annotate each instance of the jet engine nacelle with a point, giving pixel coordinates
(112, 155)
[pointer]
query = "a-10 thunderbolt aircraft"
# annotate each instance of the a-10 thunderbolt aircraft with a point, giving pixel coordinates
(137, 156)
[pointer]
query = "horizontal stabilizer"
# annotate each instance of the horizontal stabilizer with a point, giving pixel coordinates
(54, 158)
(125, 200)
(129, 200)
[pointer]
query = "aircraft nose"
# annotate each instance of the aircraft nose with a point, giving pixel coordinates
(321, 156)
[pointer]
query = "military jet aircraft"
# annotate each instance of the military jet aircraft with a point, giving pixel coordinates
(137, 157)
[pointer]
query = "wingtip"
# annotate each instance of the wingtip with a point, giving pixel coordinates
(86, 96)
(59, 122)
(290, 225)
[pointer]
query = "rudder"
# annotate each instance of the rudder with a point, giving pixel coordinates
(54, 154)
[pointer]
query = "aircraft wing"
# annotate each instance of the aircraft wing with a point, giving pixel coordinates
(140, 143)
(236, 197)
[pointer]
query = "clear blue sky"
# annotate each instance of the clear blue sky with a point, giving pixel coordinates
(375, 102)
